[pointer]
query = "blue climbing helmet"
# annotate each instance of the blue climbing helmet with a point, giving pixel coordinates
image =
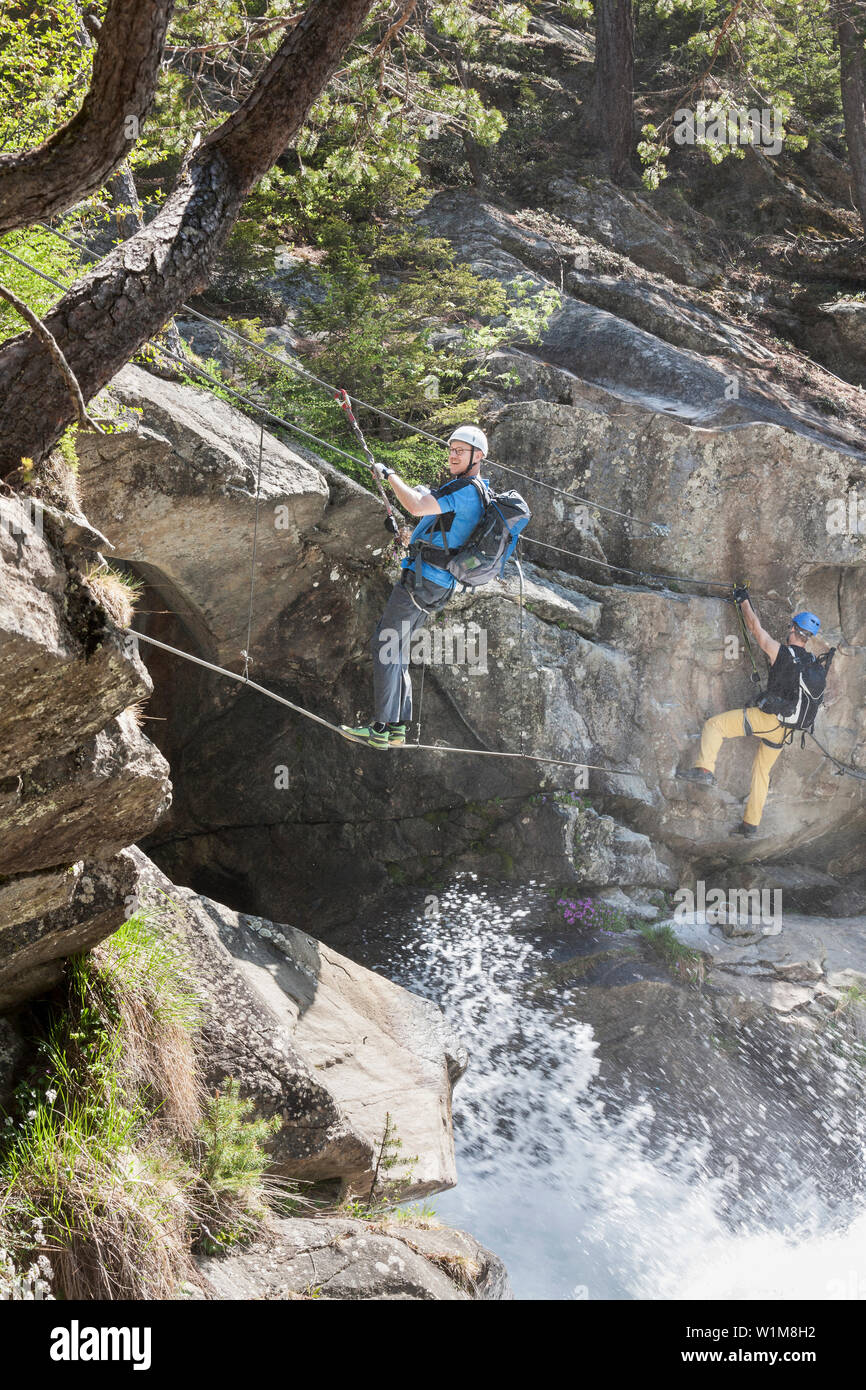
(806, 622)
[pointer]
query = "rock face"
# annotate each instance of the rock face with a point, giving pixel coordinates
(652, 349)
(745, 1037)
(65, 670)
(838, 337)
(602, 669)
(806, 969)
(342, 1259)
(685, 658)
(326, 1044)
(192, 471)
(93, 799)
(78, 780)
(54, 913)
(646, 395)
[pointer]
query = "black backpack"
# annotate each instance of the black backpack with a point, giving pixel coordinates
(797, 696)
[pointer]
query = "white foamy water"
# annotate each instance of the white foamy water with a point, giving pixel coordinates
(771, 1265)
(562, 1181)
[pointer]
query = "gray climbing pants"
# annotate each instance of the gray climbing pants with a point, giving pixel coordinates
(403, 615)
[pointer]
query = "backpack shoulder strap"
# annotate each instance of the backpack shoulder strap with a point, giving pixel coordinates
(481, 488)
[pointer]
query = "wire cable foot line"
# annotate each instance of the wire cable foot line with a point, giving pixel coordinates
(242, 679)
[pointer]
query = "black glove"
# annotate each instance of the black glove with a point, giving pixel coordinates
(741, 594)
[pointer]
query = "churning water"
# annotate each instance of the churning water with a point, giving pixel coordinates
(582, 1193)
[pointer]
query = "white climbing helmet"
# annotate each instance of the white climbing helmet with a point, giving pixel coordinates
(471, 434)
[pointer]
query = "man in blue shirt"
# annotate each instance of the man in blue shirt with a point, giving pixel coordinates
(449, 514)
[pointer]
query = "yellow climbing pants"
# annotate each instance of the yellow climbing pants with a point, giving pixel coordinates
(730, 725)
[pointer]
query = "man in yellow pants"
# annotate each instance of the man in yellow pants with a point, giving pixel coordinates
(764, 720)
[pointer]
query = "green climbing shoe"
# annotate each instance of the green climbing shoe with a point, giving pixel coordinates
(365, 733)
(397, 735)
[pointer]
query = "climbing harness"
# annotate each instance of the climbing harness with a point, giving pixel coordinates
(797, 694)
(795, 688)
(485, 552)
(798, 709)
(489, 548)
(390, 520)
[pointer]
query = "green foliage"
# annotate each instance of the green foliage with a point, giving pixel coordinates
(653, 154)
(230, 1155)
(681, 960)
(417, 1214)
(360, 144)
(577, 12)
(136, 959)
(44, 251)
(385, 1189)
(779, 55)
(80, 1159)
(233, 1158)
(387, 1184)
(66, 447)
(44, 69)
(374, 325)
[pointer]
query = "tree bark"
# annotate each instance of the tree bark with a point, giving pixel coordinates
(106, 317)
(614, 82)
(853, 88)
(78, 158)
(52, 347)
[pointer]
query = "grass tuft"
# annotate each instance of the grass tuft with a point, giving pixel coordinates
(114, 1165)
(682, 961)
(116, 591)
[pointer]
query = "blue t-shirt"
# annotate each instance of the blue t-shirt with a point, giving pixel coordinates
(460, 497)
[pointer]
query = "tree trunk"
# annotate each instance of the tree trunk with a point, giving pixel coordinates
(470, 147)
(125, 207)
(614, 82)
(106, 317)
(853, 99)
(79, 157)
